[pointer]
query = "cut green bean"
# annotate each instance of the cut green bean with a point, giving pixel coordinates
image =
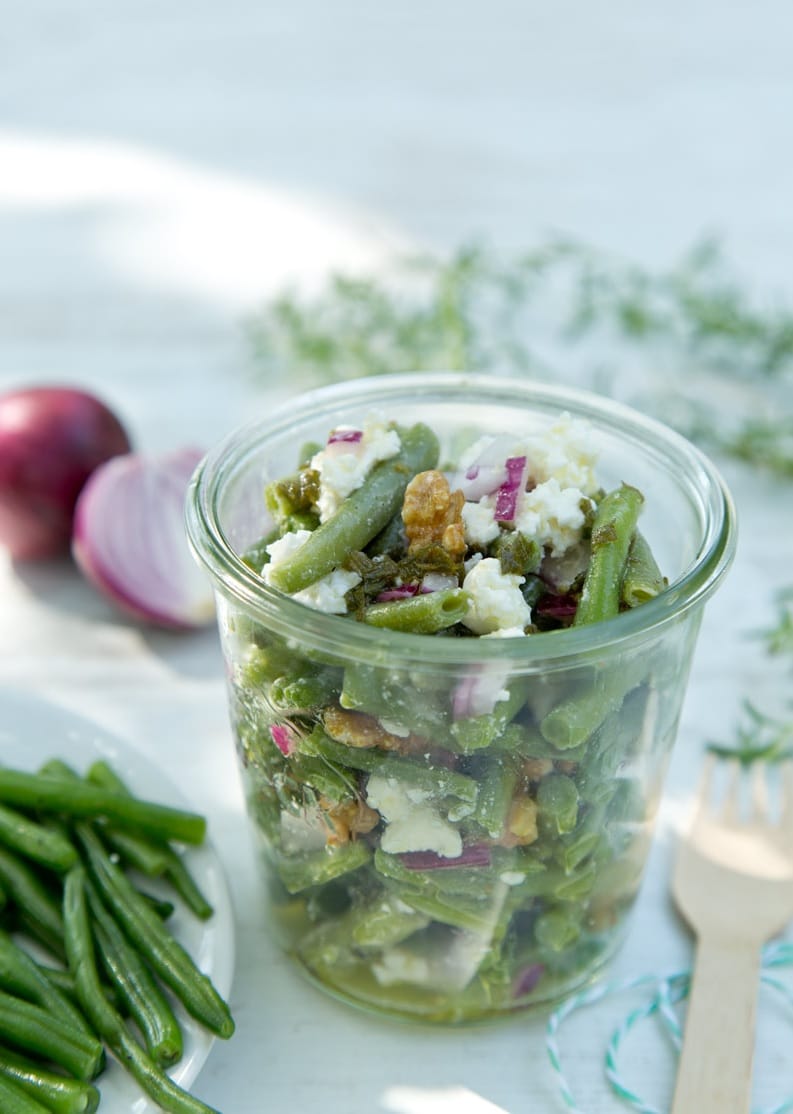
(496, 790)
(315, 868)
(56, 1093)
(424, 614)
(42, 845)
(557, 800)
(79, 799)
(361, 516)
(35, 1030)
(612, 531)
(144, 929)
(104, 1018)
(135, 985)
(642, 580)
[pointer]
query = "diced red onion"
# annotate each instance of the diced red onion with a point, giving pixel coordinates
(475, 854)
(527, 980)
(477, 693)
(507, 496)
(550, 606)
(129, 539)
(283, 737)
(345, 436)
(404, 592)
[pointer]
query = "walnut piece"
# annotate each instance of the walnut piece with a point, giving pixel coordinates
(432, 514)
(348, 819)
(357, 729)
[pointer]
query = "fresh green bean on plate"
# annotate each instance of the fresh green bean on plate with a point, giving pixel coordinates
(458, 617)
(103, 904)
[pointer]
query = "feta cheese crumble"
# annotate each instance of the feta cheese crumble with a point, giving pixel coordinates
(564, 452)
(344, 465)
(411, 823)
(496, 602)
(552, 515)
(326, 594)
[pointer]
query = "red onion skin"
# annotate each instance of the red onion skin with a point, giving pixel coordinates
(51, 440)
(475, 854)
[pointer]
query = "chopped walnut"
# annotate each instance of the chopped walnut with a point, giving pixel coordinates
(432, 514)
(348, 819)
(357, 729)
(521, 826)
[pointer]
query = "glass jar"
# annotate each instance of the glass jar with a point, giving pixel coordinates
(567, 732)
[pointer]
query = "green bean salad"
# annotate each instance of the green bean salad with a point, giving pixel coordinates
(456, 842)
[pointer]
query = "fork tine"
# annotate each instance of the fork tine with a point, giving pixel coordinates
(731, 807)
(759, 784)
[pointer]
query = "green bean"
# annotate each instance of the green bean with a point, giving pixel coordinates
(15, 1100)
(104, 1018)
(612, 530)
(34, 841)
(578, 717)
(384, 923)
(557, 800)
(423, 614)
(135, 985)
(557, 929)
(496, 790)
(437, 780)
(78, 799)
(477, 732)
(136, 851)
(643, 579)
(161, 859)
(3, 898)
(315, 868)
(361, 516)
(19, 975)
(35, 905)
(58, 1094)
(304, 693)
(32, 1028)
(144, 929)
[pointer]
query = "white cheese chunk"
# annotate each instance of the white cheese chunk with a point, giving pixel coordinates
(411, 823)
(326, 594)
(343, 466)
(496, 599)
(552, 515)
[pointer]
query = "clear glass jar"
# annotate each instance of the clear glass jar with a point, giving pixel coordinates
(575, 734)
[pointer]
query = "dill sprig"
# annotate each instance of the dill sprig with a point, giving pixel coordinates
(758, 737)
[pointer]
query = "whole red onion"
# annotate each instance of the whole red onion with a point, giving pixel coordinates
(51, 440)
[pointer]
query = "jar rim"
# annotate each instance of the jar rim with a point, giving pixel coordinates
(552, 649)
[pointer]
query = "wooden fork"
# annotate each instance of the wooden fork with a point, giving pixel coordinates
(733, 882)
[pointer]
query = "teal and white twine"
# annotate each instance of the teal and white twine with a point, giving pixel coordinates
(665, 992)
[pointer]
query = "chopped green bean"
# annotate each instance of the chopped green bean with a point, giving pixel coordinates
(643, 579)
(423, 614)
(612, 530)
(20, 976)
(34, 904)
(15, 1100)
(361, 516)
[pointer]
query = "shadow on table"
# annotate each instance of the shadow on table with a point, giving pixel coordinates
(59, 585)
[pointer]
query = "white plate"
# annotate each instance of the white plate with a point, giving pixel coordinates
(32, 731)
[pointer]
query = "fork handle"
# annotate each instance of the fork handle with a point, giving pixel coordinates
(715, 1072)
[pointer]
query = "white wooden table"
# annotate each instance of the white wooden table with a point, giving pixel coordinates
(162, 168)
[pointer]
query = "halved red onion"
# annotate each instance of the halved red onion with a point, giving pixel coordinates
(129, 539)
(517, 468)
(475, 854)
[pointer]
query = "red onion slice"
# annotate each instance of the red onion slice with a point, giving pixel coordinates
(517, 468)
(402, 593)
(283, 737)
(130, 541)
(475, 854)
(345, 436)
